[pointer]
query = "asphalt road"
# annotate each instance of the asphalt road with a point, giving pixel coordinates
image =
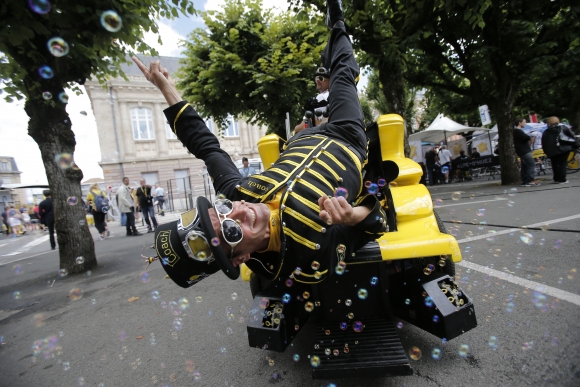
(525, 284)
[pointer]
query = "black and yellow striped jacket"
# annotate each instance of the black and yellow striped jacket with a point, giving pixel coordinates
(310, 166)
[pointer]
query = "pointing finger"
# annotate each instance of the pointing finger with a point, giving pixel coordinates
(141, 66)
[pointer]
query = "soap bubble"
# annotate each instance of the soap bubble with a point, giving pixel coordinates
(155, 295)
(62, 273)
(374, 281)
(339, 270)
(343, 326)
(357, 326)
(17, 269)
(80, 260)
(40, 7)
(347, 302)
(174, 308)
(177, 324)
(428, 302)
(64, 160)
(63, 97)
(368, 183)
(72, 200)
(512, 191)
(289, 282)
(234, 296)
(16, 295)
(456, 196)
(436, 353)
(198, 299)
(527, 238)
(196, 377)
(286, 298)
(415, 353)
(66, 365)
(223, 350)
(373, 189)
(435, 318)
(480, 212)
(309, 306)
(363, 294)
(558, 244)
(510, 203)
(492, 342)
(315, 361)
(215, 241)
(111, 21)
(296, 357)
(57, 46)
(45, 72)
(400, 325)
(437, 203)
(491, 236)
(482, 225)
(75, 294)
(463, 350)
(183, 303)
(47, 95)
(341, 192)
(144, 277)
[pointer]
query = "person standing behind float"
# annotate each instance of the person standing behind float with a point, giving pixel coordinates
(556, 149)
(146, 204)
(99, 216)
(127, 206)
(160, 197)
(445, 161)
(47, 216)
(522, 146)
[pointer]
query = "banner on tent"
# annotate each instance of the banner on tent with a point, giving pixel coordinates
(416, 153)
(456, 146)
(482, 145)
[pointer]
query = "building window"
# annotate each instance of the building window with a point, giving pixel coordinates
(4, 166)
(232, 129)
(169, 132)
(151, 178)
(209, 124)
(142, 121)
(182, 180)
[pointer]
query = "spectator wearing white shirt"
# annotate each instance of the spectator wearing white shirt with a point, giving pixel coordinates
(246, 170)
(160, 197)
(445, 160)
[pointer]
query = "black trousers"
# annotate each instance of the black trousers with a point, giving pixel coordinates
(345, 120)
(99, 218)
(130, 225)
(50, 225)
(559, 163)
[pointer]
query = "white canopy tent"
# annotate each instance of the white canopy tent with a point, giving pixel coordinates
(440, 129)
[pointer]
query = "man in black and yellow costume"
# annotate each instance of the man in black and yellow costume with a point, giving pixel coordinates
(292, 223)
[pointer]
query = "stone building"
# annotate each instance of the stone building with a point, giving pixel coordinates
(136, 141)
(9, 176)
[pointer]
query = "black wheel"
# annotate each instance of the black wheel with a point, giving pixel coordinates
(257, 284)
(449, 267)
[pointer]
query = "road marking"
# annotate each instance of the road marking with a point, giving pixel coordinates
(467, 203)
(548, 290)
(3, 244)
(35, 242)
(23, 258)
(483, 236)
(12, 253)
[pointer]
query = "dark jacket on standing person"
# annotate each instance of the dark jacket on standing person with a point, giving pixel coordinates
(430, 157)
(45, 209)
(144, 196)
(550, 143)
(521, 142)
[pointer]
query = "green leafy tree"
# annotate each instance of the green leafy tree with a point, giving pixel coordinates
(251, 63)
(490, 53)
(46, 48)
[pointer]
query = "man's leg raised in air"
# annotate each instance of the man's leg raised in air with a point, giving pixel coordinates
(346, 119)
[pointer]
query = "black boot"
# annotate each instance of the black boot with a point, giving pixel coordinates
(333, 12)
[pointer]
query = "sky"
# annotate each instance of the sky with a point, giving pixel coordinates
(14, 139)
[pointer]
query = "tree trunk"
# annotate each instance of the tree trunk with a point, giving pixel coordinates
(507, 155)
(391, 77)
(50, 127)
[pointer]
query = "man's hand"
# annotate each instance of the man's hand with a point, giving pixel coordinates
(336, 211)
(159, 76)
